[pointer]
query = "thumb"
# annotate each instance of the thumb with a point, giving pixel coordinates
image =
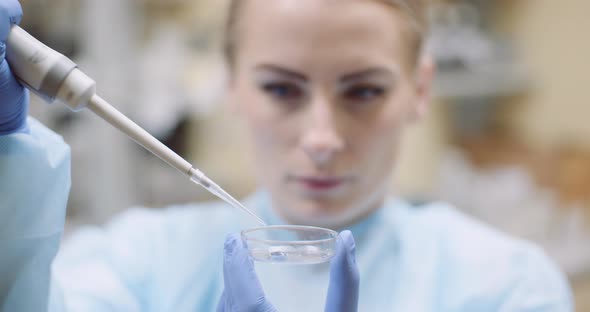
(243, 291)
(10, 13)
(344, 277)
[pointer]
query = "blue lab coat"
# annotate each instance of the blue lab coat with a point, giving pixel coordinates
(430, 258)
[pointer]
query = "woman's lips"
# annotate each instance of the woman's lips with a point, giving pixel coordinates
(321, 183)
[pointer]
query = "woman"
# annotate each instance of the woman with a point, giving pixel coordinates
(326, 88)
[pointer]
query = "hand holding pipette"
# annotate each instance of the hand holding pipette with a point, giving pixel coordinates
(56, 78)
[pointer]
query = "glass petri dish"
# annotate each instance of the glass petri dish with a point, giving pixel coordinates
(291, 244)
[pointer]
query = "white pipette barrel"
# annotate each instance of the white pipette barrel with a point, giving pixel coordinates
(56, 78)
(107, 112)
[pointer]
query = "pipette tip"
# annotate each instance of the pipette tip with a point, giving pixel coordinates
(200, 178)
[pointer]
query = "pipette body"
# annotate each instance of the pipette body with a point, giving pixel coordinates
(56, 78)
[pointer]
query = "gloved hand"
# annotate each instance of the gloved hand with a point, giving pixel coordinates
(14, 98)
(243, 291)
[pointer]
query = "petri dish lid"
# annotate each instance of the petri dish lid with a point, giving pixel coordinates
(291, 244)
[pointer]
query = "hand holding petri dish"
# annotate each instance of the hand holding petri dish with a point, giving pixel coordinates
(291, 244)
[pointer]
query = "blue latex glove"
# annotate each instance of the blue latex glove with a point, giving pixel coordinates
(14, 98)
(243, 291)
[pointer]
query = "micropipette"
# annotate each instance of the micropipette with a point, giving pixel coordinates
(55, 77)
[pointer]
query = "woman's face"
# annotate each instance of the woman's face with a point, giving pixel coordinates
(326, 88)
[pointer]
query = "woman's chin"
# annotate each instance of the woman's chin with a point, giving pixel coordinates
(320, 214)
(331, 212)
(318, 208)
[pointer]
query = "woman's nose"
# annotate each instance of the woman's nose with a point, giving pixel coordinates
(321, 140)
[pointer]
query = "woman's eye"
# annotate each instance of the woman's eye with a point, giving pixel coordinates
(283, 91)
(364, 93)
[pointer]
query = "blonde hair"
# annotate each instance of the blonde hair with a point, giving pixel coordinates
(412, 10)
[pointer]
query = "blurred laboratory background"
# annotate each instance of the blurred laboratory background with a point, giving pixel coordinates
(507, 139)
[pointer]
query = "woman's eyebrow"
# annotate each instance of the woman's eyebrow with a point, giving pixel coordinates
(281, 71)
(366, 73)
